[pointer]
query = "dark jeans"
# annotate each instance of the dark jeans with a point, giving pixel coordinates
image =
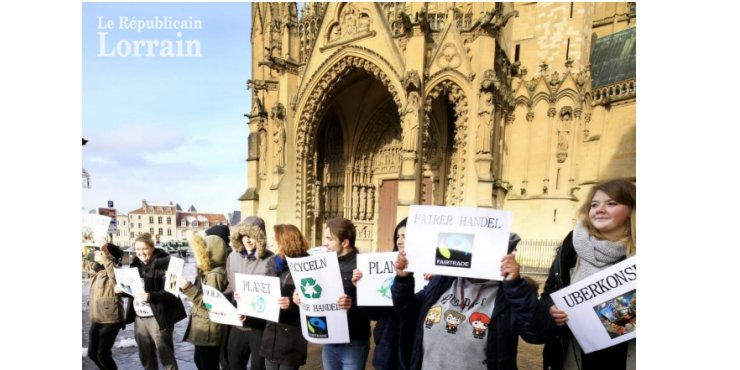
(206, 357)
(241, 346)
(345, 356)
(102, 338)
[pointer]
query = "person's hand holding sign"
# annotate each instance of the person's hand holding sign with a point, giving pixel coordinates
(558, 315)
(509, 267)
(401, 264)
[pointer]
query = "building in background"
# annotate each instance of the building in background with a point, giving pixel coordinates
(360, 110)
(190, 223)
(122, 235)
(158, 219)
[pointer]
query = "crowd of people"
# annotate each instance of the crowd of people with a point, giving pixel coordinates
(452, 323)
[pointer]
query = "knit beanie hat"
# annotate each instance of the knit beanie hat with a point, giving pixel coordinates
(220, 231)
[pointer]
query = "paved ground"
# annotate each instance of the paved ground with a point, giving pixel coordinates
(127, 357)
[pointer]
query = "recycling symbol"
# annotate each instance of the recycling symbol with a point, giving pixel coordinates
(310, 288)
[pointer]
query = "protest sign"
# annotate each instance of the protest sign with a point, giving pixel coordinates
(457, 241)
(258, 296)
(602, 308)
(220, 310)
(378, 272)
(129, 281)
(319, 284)
(94, 229)
(174, 271)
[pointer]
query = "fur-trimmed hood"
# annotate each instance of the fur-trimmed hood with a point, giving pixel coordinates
(253, 231)
(210, 252)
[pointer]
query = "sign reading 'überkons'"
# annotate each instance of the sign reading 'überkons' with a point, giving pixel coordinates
(602, 308)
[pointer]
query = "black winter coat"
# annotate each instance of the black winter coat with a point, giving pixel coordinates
(553, 355)
(388, 352)
(167, 308)
(515, 313)
(357, 319)
(283, 342)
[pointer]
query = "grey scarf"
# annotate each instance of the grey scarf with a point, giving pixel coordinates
(595, 254)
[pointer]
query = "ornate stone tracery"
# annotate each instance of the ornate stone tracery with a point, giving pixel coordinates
(456, 172)
(313, 110)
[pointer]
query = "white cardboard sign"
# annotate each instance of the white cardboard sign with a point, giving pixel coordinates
(319, 284)
(602, 308)
(457, 241)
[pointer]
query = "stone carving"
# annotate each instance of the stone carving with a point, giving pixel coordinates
(356, 202)
(456, 96)
(315, 106)
(411, 123)
(483, 142)
(554, 81)
(530, 116)
(351, 22)
(412, 81)
(566, 116)
(278, 135)
(363, 202)
(448, 57)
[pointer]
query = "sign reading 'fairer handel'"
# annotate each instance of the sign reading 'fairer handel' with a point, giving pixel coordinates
(457, 241)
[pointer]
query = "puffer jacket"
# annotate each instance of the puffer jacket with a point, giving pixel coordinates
(554, 352)
(167, 308)
(106, 307)
(283, 342)
(210, 255)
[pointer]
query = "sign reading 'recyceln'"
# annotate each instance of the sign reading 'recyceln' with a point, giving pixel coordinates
(319, 284)
(457, 241)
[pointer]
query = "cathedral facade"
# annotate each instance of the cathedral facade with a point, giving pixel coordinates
(360, 110)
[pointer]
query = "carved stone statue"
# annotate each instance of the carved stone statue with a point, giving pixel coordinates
(411, 122)
(483, 142)
(279, 140)
(564, 129)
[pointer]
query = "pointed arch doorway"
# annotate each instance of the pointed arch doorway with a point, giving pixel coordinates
(358, 148)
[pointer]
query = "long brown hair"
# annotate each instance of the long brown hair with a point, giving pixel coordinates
(623, 192)
(290, 241)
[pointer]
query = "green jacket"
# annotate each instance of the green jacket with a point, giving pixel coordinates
(210, 257)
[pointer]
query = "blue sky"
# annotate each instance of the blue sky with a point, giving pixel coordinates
(166, 128)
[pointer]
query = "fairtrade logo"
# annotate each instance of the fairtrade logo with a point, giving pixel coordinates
(258, 304)
(208, 306)
(385, 288)
(317, 327)
(310, 288)
(454, 250)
